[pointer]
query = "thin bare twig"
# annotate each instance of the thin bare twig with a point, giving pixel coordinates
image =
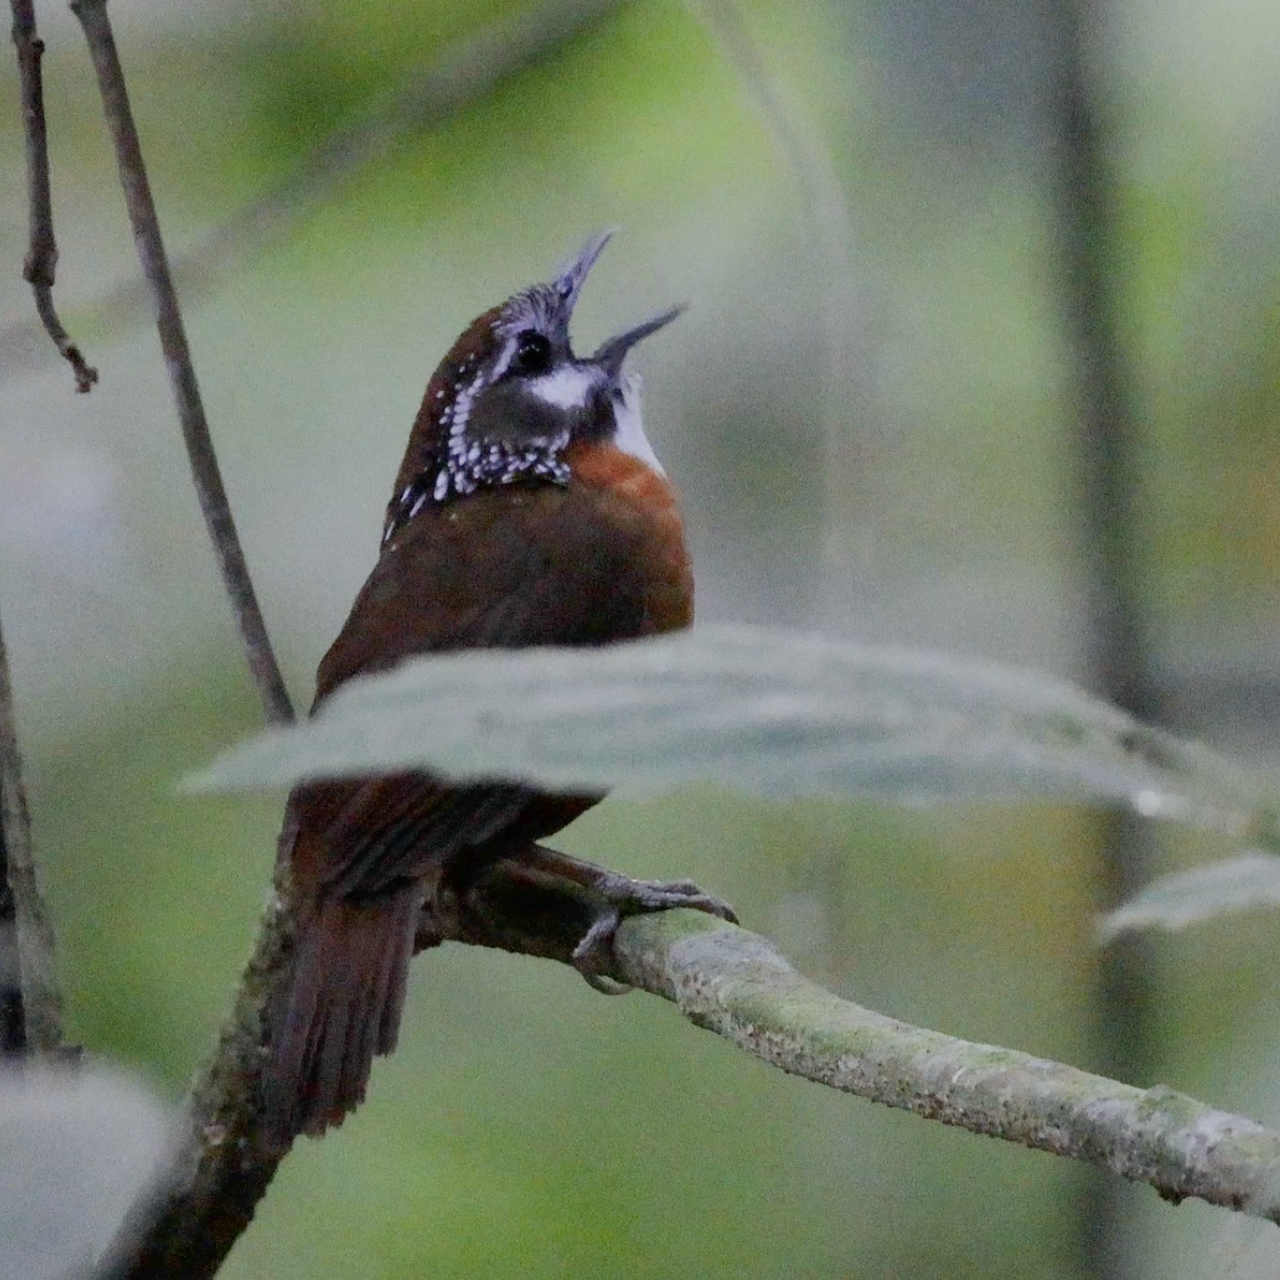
(33, 1010)
(464, 73)
(42, 256)
(182, 376)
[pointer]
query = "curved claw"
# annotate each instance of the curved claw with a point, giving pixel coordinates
(628, 897)
(594, 952)
(613, 897)
(635, 897)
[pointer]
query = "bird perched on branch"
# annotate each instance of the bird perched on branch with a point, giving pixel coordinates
(529, 510)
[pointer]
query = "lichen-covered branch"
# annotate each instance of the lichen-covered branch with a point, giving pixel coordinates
(42, 256)
(202, 1202)
(736, 984)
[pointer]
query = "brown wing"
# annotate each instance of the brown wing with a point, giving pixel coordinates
(528, 565)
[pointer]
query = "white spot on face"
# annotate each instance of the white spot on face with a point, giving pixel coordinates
(567, 388)
(505, 357)
(630, 436)
(460, 411)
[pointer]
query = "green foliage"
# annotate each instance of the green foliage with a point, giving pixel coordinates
(768, 712)
(1249, 880)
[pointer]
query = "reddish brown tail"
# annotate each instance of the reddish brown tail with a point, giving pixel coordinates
(339, 1008)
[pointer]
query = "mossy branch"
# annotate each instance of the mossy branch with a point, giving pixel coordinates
(736, 984)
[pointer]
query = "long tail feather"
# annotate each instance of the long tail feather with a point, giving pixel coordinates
(340, 1007)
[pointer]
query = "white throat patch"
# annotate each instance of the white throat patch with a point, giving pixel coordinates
(567, 388)
(631, 437)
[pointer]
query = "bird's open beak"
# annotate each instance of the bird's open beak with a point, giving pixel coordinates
(568, 284)
(610, 355)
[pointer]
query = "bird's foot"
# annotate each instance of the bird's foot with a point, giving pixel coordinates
(621, 896)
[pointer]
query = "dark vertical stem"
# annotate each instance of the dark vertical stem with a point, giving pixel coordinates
(1108, 477)
(182, 376)
(13, 1020)
(30, 1001)
(13, 1025)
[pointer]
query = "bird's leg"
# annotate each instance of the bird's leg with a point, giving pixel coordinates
(537, 901)
(618, 896)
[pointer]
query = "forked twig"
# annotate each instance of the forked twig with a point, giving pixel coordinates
(42, 256)
(182, 376)
(464, 73)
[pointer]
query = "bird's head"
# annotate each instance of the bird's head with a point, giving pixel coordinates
(511, 397)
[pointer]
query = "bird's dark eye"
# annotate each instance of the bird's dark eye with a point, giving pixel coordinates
(533, 354)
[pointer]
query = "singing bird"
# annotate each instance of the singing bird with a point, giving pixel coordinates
(529, 509)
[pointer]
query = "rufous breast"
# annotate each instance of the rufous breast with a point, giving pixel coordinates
(648, 495)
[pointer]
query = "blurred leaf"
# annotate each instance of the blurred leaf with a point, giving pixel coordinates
(76, 1146)
(1248, 880)
(762, 711)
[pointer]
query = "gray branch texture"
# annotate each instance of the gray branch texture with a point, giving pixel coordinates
(736, 984)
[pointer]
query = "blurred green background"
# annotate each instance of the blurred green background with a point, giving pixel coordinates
(867, 409)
